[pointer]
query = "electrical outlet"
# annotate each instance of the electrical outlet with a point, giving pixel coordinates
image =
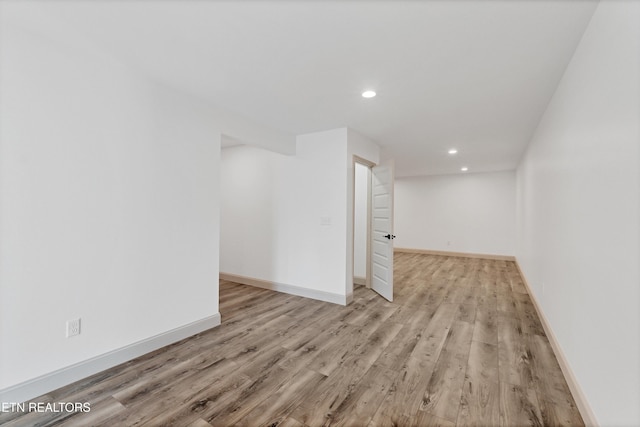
(73, 327)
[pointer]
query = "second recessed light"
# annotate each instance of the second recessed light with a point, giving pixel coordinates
(368, 94)
(464, 169)
(453, 151)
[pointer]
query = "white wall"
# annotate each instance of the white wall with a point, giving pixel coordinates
(318, 253)
(272, 211)
(255, 206)
(273, 208)
(578, 213)
(472, 213)
(360, 221)
(109, 202)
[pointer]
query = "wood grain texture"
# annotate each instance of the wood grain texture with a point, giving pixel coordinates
(443, 393)
(519, 406)
(460, 345)
(405, 394)
(480, 403)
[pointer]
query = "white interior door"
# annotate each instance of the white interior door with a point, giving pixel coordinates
(382, 230)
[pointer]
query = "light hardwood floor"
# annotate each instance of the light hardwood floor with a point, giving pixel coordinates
(460, 345)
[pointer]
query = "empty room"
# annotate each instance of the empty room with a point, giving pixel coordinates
(313, 213)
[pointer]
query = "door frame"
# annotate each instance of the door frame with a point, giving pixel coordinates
(368, 164)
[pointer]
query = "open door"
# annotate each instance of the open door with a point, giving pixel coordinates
(382, 230)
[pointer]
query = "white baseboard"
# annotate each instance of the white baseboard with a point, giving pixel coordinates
(456, 254)
(359, 280)
(54, 380)
(584, 407)
(349, 299)
(288, 289)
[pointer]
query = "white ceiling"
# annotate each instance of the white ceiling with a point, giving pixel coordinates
(475, 75)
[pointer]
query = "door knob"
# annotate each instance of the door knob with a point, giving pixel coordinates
(390, 236)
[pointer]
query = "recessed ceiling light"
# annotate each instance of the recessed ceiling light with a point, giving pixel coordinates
(464, 169)
(453, 151)
(368, 94)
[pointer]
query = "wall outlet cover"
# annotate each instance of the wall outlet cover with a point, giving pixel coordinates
(73, 327)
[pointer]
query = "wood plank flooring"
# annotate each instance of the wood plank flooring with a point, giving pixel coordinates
(461, 345)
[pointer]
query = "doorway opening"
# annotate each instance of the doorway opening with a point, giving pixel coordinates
(362, 223)
(373, 226)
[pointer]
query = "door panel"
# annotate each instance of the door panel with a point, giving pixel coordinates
(381, 226)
